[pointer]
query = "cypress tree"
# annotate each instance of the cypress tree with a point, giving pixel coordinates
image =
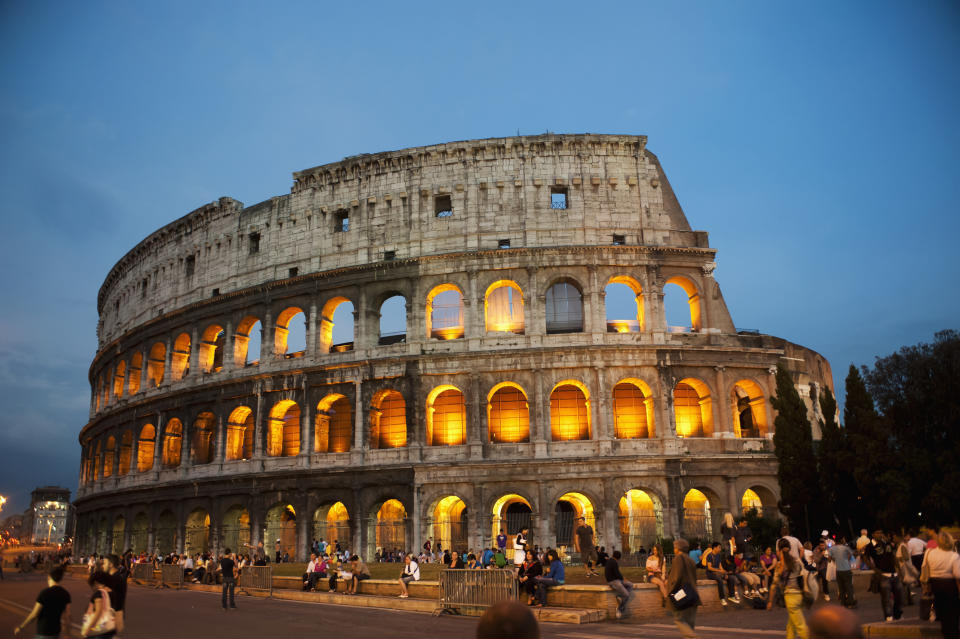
(797, 465)
(834, 458)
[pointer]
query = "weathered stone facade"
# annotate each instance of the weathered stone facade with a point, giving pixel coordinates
(519, 400)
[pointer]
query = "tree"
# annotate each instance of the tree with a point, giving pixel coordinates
(834, 461)
(800, 495)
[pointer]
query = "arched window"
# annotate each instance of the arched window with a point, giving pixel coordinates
(391, 531)
(504, 307)
(156, 363)
(681, 307)
(446, 417)
(240, 434)
(388, 420)
(180, 361)
(393, 320)
(632, 410)
(284, 431)
(449, 523)
(508, 414)
(119, 377)
(697, 518)
(624, 305)
(211, 349)
(126, 451)
(333, 432)
(569, 411)
(336, 326)
(693, 408)
(749, 409)
(204, 427)
(172, 441)
(445, 312)
(108, 456)
(641, 519)
(246, 342)
(136, 370)
(146, 448)
(564, 308)
(290, 333)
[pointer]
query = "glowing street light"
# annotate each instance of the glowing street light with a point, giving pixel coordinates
(3, 500)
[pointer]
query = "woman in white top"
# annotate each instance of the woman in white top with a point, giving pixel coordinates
(941, 575)
(655, 573)
(518, 543)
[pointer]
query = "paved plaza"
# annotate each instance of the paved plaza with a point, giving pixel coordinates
(155, 614)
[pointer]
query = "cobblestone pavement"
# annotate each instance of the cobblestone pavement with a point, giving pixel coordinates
(188, 614)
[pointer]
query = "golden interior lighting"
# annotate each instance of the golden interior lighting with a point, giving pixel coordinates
(146, 448)
(503, 307)
(632, 410)
(582, 508)
(337, 523)
(569, 411)
(211, 349)
(448, 524)
(388, 420)
(616, 288)
(136, 370)
(240, 434)
(693, 408)
(696, 514)
(446, 417)
(156, 363)
(197, 538)
(108, 456)
(499, 512)
(751, 500)
(119, 377)
(749, 409)
(126, 451)
(241, 342)
(508, 414)
(282, 525)
(282, 329)
(180, 360)
(391, 525)
(693, 298)
(284, 431)
(171, 443)
(333, 425)
(444, 312)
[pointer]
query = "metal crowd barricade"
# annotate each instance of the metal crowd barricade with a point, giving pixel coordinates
(171, 576)
(256, 579)
(142, 573)
(472, 591)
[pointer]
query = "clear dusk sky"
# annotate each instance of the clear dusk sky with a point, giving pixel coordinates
(817, 142)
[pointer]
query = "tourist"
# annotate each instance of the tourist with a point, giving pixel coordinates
(313, 573)
(472, 563)
(727, 532)
(359, 572)
(602, 556)
(622, 589)
(487, 558)
(940, 573)
(749, 580)
(881, 555)
(228, 573)
(583, 541)
(411, 572)
(507, 620)
(862, 542)
(796, 548)
(553, 576)
(725, 587)
(502, 541)
(519, 543)
(99, 620)
(729, 565)
(500, 559)
(683, 577)
(742, 537)
(842, 557)
(118, 589)
(655, 571)
(820, 561)
(52, 608)
(787, 581)
(767, 563)
(907, 573)
(454, 562)
(530, 569)
(916, 547)
(694, 553)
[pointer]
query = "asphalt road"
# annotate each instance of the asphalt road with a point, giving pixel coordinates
(154, 614)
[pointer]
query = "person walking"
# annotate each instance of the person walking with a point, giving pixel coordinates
(940, 573)
(118, 589)
(882, 556)
(683, 577)
(787, 580)
(51, 610)
(621, 588)
(99, 621)
(583, 539)
(842, 557)
(228, 572)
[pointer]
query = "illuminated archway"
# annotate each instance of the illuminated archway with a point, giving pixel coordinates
(246, 342)
(569, 411)
(446, 417)
(568, 509)
(236, 528)
(108, 456)
(332, 523)
(448, 525)
(693, 301)
(283, 434)
(388, 420)
(512, 513)
(204, 427)
(564, 308)
(337, 326)
(197, 529)
(641, 520)
(281, 527)
(760, 498)
(240, 434)
(119, 378)
(503, 307)
(156, 363)
(211, 349)
(508, 414)
(633, 410)
(180, 360)
(693, 408)
(136, 371)
(96, 461)
(146, 448)
(623, 300)
(749, 409)
(445, 312)
(126, 451)
(172, 442)
(391, 530)
(697, 517)
(333, 432)
(751, 500)
(290, 319)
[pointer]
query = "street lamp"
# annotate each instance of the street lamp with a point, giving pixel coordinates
(3, 500)
(50, 527)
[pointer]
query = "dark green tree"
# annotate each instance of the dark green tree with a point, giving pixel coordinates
(834, 461)
(800, 496)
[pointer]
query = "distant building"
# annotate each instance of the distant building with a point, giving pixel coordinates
(11, 527)
(47, 518)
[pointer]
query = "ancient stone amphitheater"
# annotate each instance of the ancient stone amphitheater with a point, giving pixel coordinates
(249, 384)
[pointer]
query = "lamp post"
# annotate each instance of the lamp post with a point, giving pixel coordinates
(50, 527)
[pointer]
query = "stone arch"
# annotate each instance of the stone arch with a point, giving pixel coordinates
(337, 310)
(392, 330)
(448, 524)
(119, 378)
(247, 336)
(699, 509)
(640, 514)
(511, 512)
(503, 307)
(197, 532)
(281, 527)
(118, 530)
(283, 434)
(389, 522)
(444, 312)
(126, 451)
(235, 528)
(136, 371)
(633, 410)
(139, 533)
(568, 508)
(156, 363)
(570, 411)
(210, 351)
(563, 307)
(693, 408)
(281, 332)
(172, 443)
(623, 292)
(508, 414)
(333, 432)
(331, 522)
(109, 453)
(240, 429)
(180, 359)
(203, 432)
(760, 497)
(749, 408)
(446, 416)
(690, 289)
(146, 447)
(97, 470)
(388, 420)
(166, 535)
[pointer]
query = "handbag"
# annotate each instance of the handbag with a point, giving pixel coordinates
(831, 571)
(106, 622)
(683, 596)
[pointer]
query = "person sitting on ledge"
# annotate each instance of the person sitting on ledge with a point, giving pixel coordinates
(411, 572)
(554, 576)
(358, 572)
(313, 573)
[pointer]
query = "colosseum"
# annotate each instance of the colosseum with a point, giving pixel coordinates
(424, 344)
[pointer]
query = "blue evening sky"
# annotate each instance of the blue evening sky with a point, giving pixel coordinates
(817, 143)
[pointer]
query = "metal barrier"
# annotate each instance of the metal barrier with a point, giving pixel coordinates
(142, 573)
(171, 576)
(257, 579)
(472, 591)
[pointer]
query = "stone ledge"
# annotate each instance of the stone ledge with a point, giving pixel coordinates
(912, 629)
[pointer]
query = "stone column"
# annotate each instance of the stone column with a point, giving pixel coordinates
(732, 501)
(667, 420)
(608, 536)
(362, 329)
(543, 531)
(168, 361)
(539, 416)
(193, 363)
(229, 359)
(127, 525)
(185, 460)
(474, 323)
(601, 408)
(723, 420)
(144, 370)
(359, 432)
(258, 428)
(158, 443)
(312, 331)
(221, 446)
(151, 538)
(306, 424)
(595, 321)
(534, 304)
(303, 531)
(266, 338)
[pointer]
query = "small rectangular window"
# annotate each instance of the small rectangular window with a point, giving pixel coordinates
(389, 256)
(293, 271)
(342, 222)
(215, 292)
(191, 264)
(143, 291)
(442, 206)
(558, 197)
(254, 243)
(503, 244)
(619, 240)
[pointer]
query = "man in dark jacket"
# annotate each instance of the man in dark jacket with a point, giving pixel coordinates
(620, 586)
(683, 573)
